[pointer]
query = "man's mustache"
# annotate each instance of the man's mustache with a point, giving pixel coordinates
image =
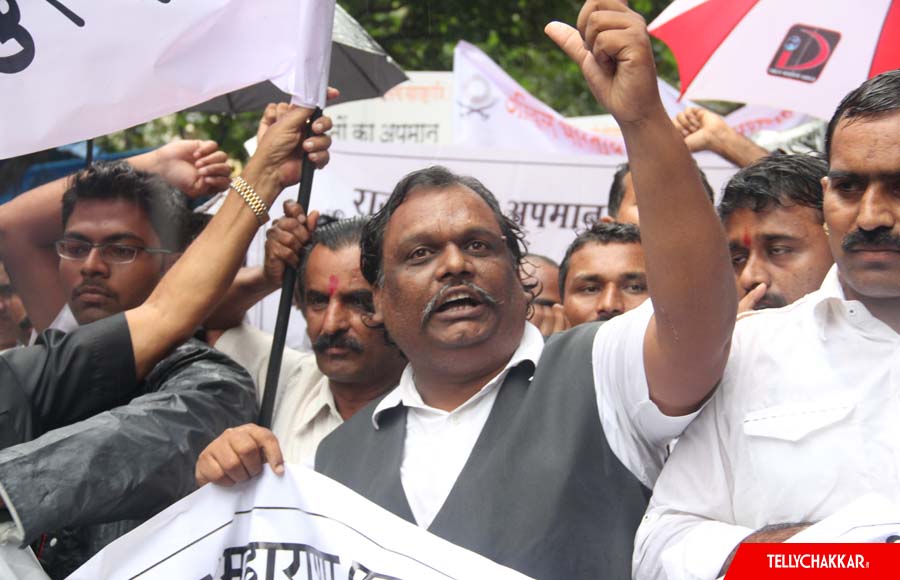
(94, 287)
(770, 301)
(339, 340)
(436, 300)
(877, 239)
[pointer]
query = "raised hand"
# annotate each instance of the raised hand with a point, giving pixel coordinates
(704, 130)
(280, 150)
(198, 168)
(613, 49)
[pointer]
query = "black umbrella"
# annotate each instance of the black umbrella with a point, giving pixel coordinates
(360, 69)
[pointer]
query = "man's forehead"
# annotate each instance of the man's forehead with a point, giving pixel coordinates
(416, 216)
(855, 140)
(775, 219)
(609, 258)
(334, 270)
(109, 220)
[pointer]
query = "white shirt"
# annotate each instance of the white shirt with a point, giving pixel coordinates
(305, 411)
(806, 419)
(438, 443)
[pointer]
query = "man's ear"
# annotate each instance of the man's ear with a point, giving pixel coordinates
(377, 317)
(608, 219)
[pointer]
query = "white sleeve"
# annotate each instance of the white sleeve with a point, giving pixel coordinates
(637, 431)
(687, 531)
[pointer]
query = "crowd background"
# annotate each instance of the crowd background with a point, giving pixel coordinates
(649, 372)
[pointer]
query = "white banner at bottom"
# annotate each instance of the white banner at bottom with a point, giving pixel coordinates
(301, 525)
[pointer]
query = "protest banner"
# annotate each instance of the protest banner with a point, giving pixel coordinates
(493, 110)
(76, 70)
(300, 525)
(417, 111)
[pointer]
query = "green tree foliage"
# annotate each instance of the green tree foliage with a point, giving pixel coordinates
(421, 35)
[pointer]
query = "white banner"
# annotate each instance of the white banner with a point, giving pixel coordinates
(301, 525)
(416, 111)
(75, 69)
(493, 110)
(551, 196)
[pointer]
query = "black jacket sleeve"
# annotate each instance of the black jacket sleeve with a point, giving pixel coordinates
(65, 378)
(134, 460)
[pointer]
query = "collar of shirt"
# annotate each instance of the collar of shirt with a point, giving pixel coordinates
(407, 394)
(830, 306)
(322, 401)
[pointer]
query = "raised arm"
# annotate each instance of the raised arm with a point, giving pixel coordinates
(188, 292)
(689, 272)
(31, 223)
(704, 130)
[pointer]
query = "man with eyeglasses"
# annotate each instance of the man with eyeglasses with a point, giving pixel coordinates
(73, 489)
(122, 228)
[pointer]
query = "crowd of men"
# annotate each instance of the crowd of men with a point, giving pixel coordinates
(688, 377)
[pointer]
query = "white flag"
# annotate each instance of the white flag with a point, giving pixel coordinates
(76, 69)
(300, 525)
(493, 110)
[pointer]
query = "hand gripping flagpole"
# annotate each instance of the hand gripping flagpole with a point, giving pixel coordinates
(287, 293)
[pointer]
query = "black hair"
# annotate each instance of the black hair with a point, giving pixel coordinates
(777, 180)
(876, 96)
(599, 233)
(617, 189)
(435, 177)
(335, 234)
(165, 206)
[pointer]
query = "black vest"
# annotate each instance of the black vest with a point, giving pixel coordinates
(542, 492)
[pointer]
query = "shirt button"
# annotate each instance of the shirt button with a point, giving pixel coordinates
(454, 420)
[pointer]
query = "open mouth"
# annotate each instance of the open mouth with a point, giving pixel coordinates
(455, 302)
(458, 302)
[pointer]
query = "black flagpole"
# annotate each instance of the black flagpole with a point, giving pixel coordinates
(89, 156)
(287, 293)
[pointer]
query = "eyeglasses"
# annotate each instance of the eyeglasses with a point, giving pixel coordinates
(78, 250)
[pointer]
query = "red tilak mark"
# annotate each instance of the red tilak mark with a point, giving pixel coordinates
(746, 239)
(332, 284)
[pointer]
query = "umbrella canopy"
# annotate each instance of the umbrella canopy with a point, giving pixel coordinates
(802, 55)
(360, 69)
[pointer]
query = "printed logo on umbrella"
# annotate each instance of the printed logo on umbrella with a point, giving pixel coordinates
(804, 52)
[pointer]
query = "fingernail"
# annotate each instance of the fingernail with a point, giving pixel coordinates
(279, 469)
(308, 146)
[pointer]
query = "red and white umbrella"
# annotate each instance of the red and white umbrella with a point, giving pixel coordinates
(802, 55)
